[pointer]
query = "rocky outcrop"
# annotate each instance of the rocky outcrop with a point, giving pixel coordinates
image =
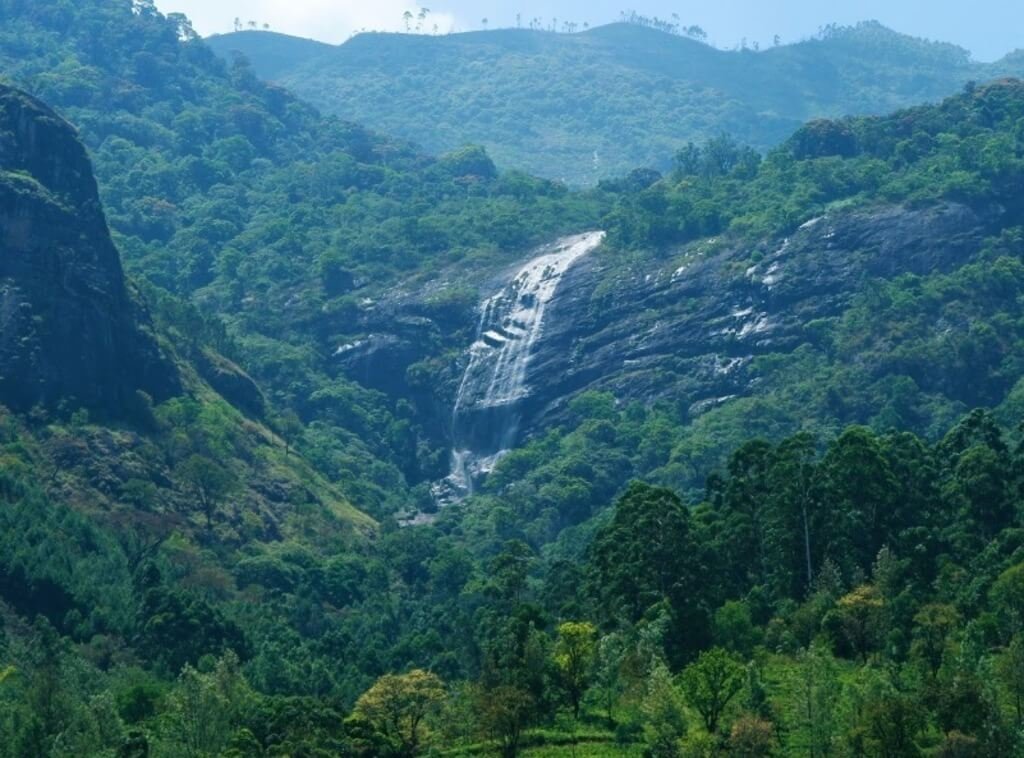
(70, 331)
(231, 383)
(686, 326)
(690, 331)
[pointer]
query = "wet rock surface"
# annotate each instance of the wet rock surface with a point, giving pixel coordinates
(691, 331)
(685, 327)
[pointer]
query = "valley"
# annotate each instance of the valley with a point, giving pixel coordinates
(329, 439)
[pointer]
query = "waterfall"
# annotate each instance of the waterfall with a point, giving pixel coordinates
(488, 404)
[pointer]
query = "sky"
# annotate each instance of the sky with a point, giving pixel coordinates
(988, 28)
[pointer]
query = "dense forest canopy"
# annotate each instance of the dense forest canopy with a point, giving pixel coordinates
(597, 103)
(828, 564)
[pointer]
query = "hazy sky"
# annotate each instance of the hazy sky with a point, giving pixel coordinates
(988, 28)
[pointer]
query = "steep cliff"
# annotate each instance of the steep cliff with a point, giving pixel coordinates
(70, 330)
(690, 330)
(700, 327)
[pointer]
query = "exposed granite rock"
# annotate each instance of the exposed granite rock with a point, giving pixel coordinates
(70, 331)
(692, 331)
(687, 332)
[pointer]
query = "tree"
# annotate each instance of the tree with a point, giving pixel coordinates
(861, 491)
(711, 683)
(796, 514)
(860, 618)
(1007, 596)
(1010, 668)
(646, 556)
(932, 625)
(734, 629)
(891, 722)
(397, 705)
(503, 712)
(610, 654)
(751, 737)
(575, 652)
(407, 18)
(509, 570)
(203, 708)
(208, 483)
(290, 427)
(818, 700)
(664, 717)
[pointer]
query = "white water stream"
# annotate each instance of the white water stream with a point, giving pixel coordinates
(486, 416)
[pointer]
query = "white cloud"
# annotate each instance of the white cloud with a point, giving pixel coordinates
(327, 20)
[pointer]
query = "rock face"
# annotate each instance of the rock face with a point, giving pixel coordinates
(690, 331)
(69, 329)
(685, 328)
(487, 410)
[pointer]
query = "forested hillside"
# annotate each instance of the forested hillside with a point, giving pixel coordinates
(591, 105)
(751, 506)
(275, 220)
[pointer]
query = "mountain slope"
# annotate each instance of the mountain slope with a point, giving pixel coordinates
(581, 107)
(131, 488)
(71, 331)
(278, 222)
(77, 344)
(737, 298)
(185, 582)
(271, 54)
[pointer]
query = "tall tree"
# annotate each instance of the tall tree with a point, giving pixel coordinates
(208, 483)
(646, 556)
(397, 706)
(574, 654)
(710, 684)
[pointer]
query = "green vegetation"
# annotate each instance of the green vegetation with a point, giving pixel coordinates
(593, 105)
(881, 610)
(831, 565)
(968, 149)
(279, 223)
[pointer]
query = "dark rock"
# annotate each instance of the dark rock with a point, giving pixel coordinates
(689, 334)
(236, 386)
(70, 331)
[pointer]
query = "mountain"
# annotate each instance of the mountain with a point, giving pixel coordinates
(722, 459)
(72, 331)
(596, 104)
(272, 219)
(721, 284)
(272, 54)
(125, 432)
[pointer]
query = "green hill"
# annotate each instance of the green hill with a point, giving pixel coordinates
(764, 495)
(585, 106)
(271, 54)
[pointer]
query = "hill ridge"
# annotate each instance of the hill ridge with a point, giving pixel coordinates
(597, 103)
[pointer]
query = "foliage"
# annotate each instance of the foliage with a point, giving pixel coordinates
(710, 684)
(848, 579)
(634, 92)
(397, 706)
(574, 656)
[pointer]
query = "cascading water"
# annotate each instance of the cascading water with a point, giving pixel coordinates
(488, 405)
